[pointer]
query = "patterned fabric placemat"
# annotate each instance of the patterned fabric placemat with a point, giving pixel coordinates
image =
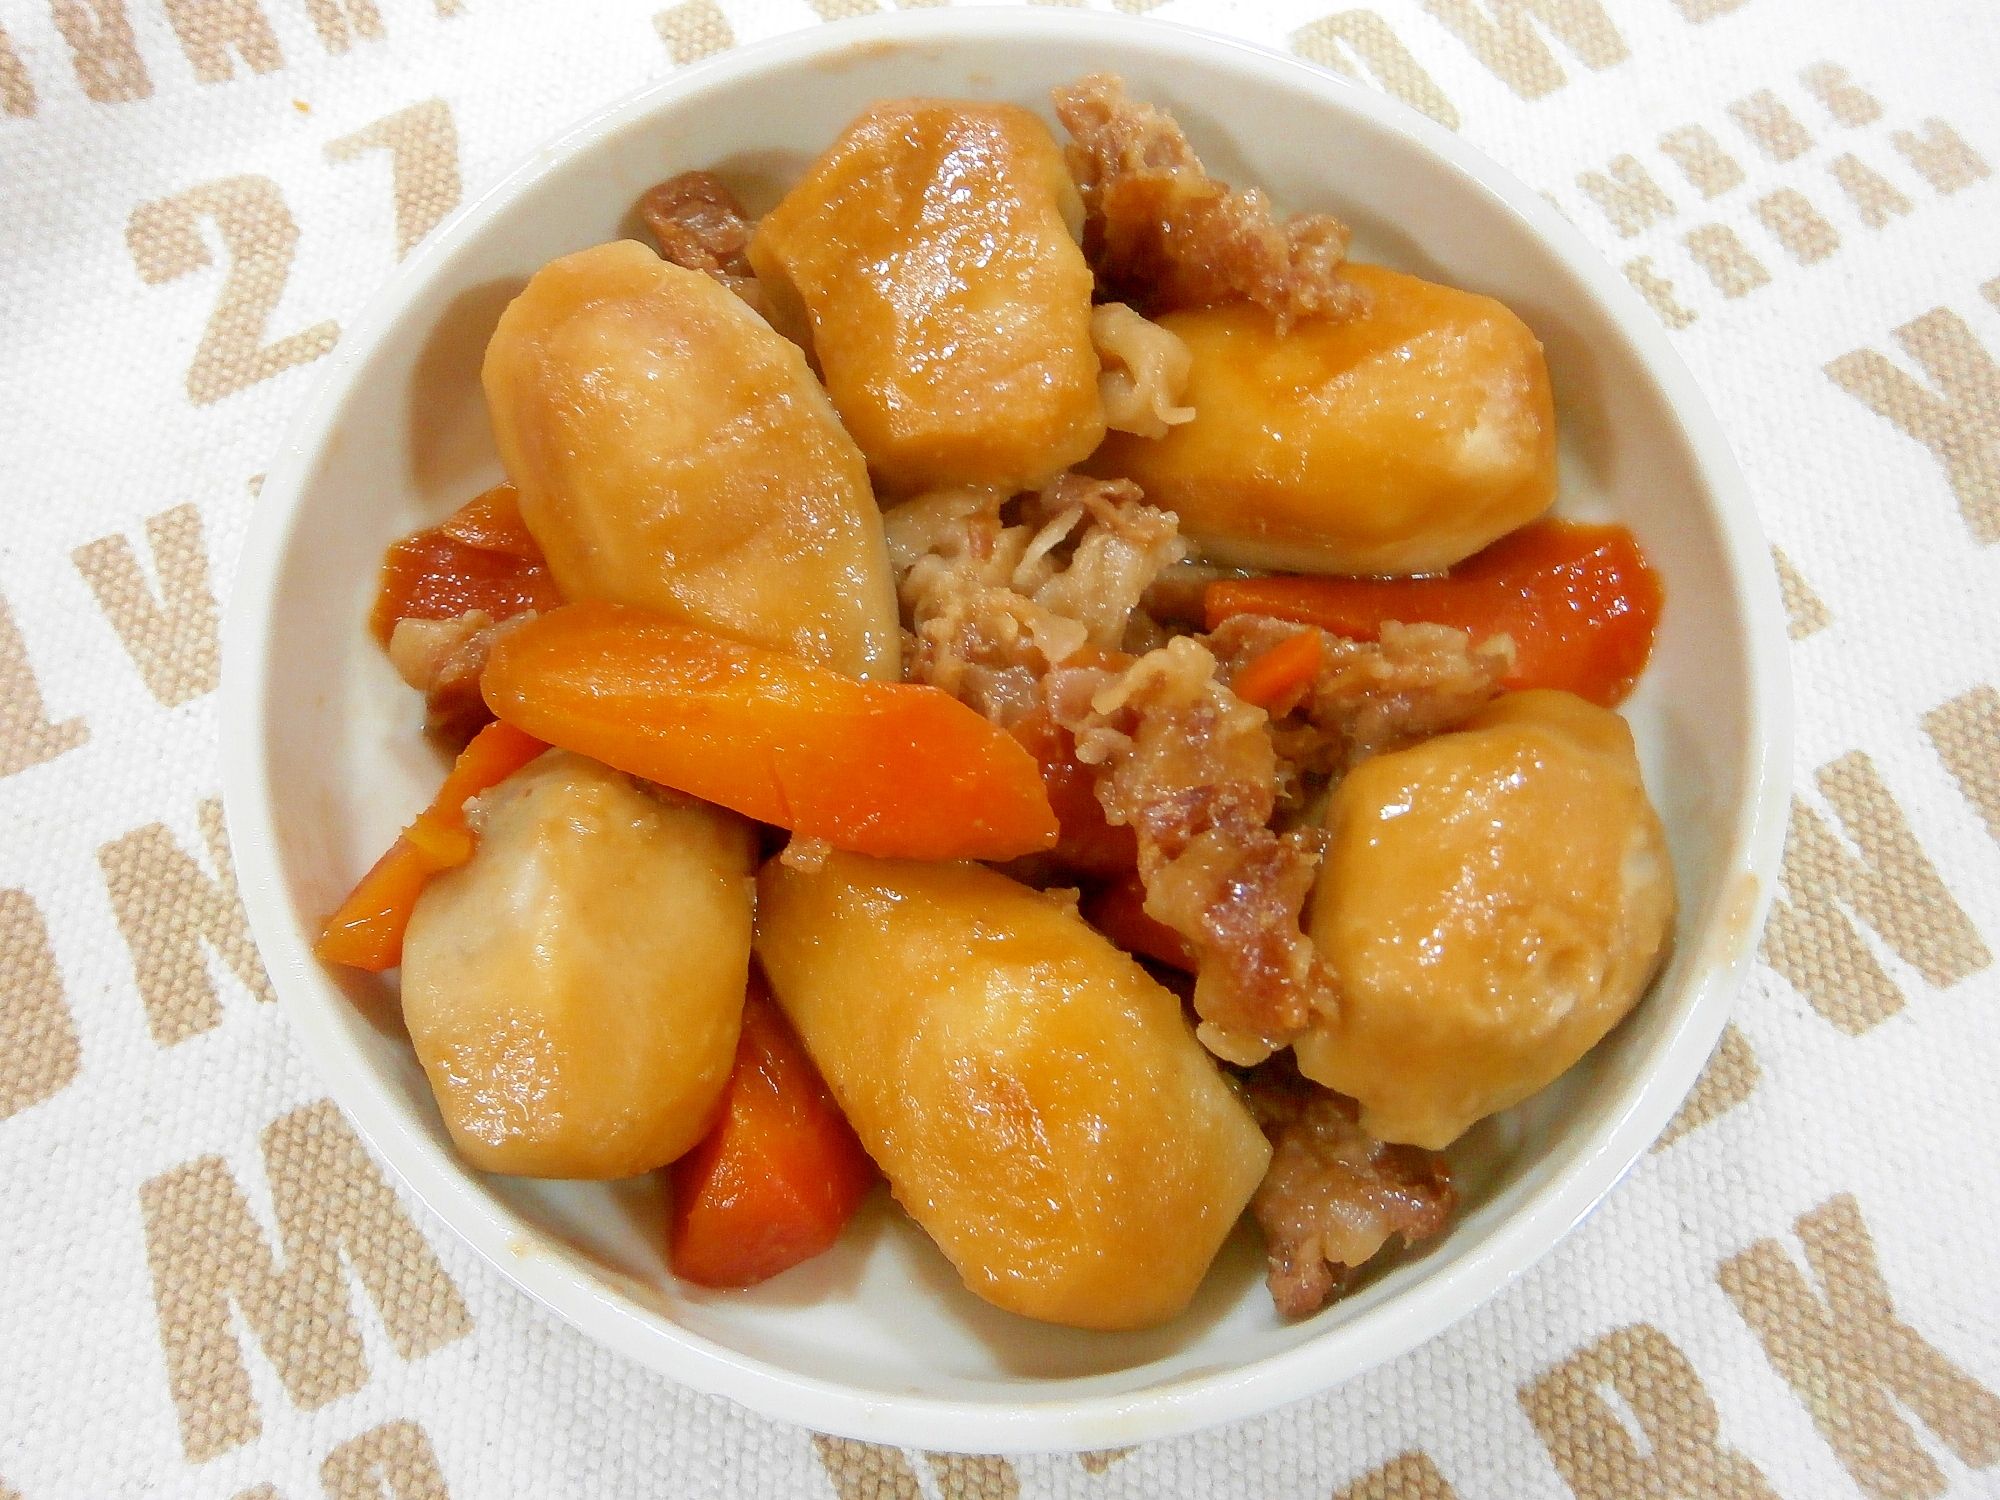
(209, 1289)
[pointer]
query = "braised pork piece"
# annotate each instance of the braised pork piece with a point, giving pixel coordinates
(1162, 234)
(1333, 1195)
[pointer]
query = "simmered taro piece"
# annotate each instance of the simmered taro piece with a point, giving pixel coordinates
(672, 452)
(1397, 442)
(933, 253)
(1035, 1099)
(574, 989)
(1494, 901)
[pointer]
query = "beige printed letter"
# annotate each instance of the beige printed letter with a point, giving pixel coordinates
(1845, 1352)
(1502, 35)
(207, 1252)
(1941, 157)
(38, 1047)
(167, 907)
(1777, 132)
(866, 1471)
(260, 236)
(1407, 1476)
(1874, 197)
(1799, 227)
(1702, 160)
(209, 28)
(17, 89)
(103, 48)
(27, 738)
(1966, 731)
(974, 1476)
(1340, 40)
(1630, 199)
(1847, 101)
(1718, 251)
(390, 1462)
(1730, 1078)
(340, 21)
(1961, 426)
(1658, 292)
(422, 143)
(1805, 612)
(694, 30)
(1700, 12)
(1890, 885)
(1594, 1450)
(173, 636)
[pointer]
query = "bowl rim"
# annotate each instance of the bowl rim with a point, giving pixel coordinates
(428, 1171)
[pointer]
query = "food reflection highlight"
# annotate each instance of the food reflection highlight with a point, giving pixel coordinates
(1196, 793)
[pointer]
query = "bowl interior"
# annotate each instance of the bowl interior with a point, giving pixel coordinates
(878, 1338)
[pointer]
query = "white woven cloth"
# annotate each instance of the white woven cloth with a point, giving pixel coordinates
(1792, 1297)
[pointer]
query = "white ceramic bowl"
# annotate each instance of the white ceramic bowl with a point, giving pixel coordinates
(323, 761)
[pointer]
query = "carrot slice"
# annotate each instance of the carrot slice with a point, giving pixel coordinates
(779, 1174)
(367, 931)
(495, 753)
(1277, 680)
(1119, 912)
(1580, 601)
(889, 769)
(491, 521)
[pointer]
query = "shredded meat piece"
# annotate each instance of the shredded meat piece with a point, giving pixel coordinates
(1016, 619)
(442, 659)
(1117, 556)
(701, 225)
(992, 607)
(1145, 369)
(1162, 234)
(1333, 1194)
(1371, 696)
(1191, 769)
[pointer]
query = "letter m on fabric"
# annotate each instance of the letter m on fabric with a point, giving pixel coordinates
(207, 1251)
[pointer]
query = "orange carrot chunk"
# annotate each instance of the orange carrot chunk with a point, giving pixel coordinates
(780, 1172)
(367, 931)
(1119, 912)
(1580, 601)
(491, 521)
(482, 557)
(1277, 680)
(889, 769)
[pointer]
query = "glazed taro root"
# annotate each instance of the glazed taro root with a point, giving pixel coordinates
(574, 989)
(671, 451)
(1494, 901)
(933, 252)
(1289, 880)
(1399, 441)
(1035, 1100)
